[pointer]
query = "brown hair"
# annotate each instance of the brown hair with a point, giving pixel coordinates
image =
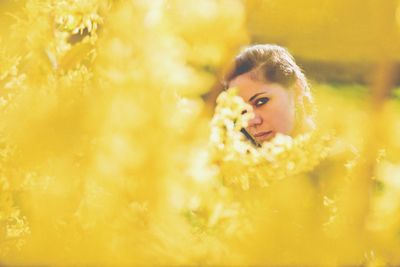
(276, 65)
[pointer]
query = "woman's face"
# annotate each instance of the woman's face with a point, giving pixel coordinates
(273, 106)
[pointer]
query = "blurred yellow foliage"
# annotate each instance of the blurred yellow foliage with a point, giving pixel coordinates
(108, 157)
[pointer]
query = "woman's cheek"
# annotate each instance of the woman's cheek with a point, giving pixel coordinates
(281, 121)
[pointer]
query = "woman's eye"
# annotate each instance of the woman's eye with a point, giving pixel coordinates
(261, 101)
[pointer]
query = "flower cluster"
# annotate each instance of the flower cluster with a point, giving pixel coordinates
(77, 16)
(14, 228)
(11, 79)
(227, 122)
(244, 164)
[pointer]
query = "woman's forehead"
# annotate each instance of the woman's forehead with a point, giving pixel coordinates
(247, 85)
(248, 79)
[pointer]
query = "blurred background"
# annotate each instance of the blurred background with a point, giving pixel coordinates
(105, 108)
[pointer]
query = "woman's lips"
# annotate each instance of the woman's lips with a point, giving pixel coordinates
(262, 134)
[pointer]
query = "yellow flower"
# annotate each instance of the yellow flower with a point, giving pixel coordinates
(281, 157)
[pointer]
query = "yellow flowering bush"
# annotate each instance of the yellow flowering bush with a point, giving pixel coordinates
(243, 163)
(109, 93)
(108, 156)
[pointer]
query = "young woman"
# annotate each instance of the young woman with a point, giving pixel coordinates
(273, 84)
(300, 192)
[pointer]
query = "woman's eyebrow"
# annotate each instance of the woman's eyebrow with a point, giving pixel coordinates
(254, 96)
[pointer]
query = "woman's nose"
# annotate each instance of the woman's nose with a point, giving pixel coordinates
(255, 121)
